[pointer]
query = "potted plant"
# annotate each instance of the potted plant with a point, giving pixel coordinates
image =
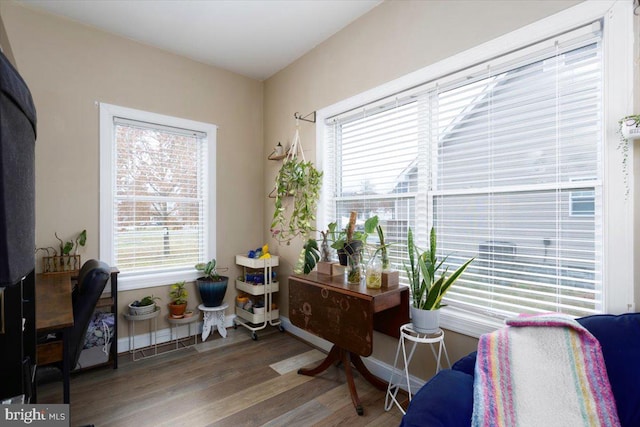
(384, 255)
(428, 286)
(212, 286)
(308, 258)
(346, 245)
(145, 305)
(628, 128)
(349, 240)
(178, 299)
(378, 270)
(301, 182)
(354, 244)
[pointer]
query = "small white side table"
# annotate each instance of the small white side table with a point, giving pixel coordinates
(213, 316)
(153, 327)
(175, 323)
(408, 334)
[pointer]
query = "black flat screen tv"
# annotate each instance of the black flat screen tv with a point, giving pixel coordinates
(17, 176)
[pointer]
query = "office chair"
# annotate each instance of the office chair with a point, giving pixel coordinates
(92, 279)
(84, 270)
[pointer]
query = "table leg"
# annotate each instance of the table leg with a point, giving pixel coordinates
(352, 385)
(375, 381)
(333, 356)
(338, 354)
(66, 369)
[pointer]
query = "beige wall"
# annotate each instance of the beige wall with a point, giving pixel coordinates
(5, 47)
(394, 39)
(69, 67)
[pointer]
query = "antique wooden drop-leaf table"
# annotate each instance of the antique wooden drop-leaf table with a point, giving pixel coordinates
(346, 315)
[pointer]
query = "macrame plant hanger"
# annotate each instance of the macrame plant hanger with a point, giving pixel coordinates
(296, 144)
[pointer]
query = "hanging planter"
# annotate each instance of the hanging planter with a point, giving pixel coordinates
(629, 129)
(296, 194)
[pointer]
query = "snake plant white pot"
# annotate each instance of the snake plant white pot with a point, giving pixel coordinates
(425, 321)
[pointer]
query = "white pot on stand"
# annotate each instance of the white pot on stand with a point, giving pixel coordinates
(425, 321)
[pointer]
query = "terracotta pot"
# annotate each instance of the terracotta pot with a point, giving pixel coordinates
(177, 309)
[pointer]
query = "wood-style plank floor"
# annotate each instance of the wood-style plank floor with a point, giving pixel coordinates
(223, 382)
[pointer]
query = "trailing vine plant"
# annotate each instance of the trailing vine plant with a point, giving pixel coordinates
(299, 182)
(623, 145)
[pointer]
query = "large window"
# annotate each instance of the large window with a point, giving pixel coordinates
(157, 187)
(505, 159)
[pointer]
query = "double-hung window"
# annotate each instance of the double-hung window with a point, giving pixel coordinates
(157, 187)
(505, 159)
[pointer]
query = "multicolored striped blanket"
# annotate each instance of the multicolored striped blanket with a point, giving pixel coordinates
(543, 370)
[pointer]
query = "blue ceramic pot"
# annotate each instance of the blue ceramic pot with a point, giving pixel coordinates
(212, 293)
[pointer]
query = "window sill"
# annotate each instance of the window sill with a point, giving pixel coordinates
(467, 323)
(128, 282)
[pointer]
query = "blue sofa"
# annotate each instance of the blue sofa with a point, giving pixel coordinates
(447, 399)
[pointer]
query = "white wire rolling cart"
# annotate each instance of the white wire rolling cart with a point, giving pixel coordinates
(255, 318)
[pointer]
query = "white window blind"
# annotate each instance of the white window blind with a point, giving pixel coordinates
(504, 159)
(159, 201)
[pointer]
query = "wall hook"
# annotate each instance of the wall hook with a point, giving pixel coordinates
(299, 116)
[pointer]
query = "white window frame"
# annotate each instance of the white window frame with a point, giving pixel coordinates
(107, 173)
(618, 89)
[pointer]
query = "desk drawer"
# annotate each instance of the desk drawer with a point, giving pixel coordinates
(48, 353)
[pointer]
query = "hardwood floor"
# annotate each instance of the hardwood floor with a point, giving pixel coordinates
(223, 382)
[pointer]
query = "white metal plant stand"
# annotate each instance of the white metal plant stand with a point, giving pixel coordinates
(407, 333)
(176, 323)
(153, 327)
(213, 317)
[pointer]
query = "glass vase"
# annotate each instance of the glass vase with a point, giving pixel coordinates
(354, 269)
(374, 273)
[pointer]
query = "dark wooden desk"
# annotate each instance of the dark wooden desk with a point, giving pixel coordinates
(346, 315)
(54, 313)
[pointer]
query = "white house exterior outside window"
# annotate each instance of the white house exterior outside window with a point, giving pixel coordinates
(506, 159)
(157, 191)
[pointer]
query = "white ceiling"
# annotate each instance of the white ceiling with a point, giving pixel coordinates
(255, 38)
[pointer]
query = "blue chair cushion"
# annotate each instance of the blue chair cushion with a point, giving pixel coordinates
(467, 364)
(619, 338)
(444, 401)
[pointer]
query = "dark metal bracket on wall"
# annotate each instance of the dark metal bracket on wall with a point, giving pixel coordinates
(299, 116)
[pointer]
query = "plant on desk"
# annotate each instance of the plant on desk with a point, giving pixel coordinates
(145, 305)
(349, 244)
(178, 300)
(67, 259)
(308, 258)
